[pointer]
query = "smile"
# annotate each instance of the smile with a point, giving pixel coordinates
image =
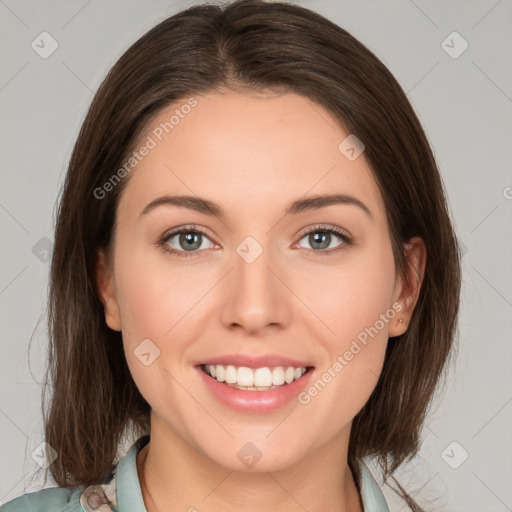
(254, 379)
(254, 390)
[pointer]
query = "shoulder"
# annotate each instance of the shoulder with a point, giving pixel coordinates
(54, 499)
(99, 498)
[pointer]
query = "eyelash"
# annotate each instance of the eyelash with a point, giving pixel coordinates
(163, 242)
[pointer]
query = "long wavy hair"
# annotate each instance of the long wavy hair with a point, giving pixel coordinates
(245, 45)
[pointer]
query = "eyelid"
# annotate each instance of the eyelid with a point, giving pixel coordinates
(185, 228)
(324, 227)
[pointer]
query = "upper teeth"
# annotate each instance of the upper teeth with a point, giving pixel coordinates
(259, 377)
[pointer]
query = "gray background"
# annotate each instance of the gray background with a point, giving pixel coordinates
(465, 105)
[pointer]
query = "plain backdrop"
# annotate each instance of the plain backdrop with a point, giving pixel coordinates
(453, 60)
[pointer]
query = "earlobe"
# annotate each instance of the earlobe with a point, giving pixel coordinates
(105, 286)
(410, 286)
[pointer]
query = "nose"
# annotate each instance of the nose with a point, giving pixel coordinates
(256, 299)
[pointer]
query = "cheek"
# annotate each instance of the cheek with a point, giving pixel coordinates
(150, 305)
(161, 303)
(154, 311)
(349, 297)
(153, 298)
(356, 306)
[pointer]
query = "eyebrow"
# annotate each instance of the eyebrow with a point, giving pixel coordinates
(208, 207)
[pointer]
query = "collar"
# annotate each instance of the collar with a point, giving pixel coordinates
(122, 493)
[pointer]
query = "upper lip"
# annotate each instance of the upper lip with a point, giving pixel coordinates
(255, 361)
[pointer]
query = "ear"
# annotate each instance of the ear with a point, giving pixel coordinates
(407, 289)
(105, 285)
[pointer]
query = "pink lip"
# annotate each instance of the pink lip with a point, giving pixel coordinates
(255, 401)
(253, 361)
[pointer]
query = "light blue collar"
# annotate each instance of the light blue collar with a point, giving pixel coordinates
(371, 495)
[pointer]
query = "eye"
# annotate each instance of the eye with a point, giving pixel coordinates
(185, 241)
(320, 239)
(188, 241)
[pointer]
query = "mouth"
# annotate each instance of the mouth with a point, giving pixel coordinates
(257, 389)
(259, 379)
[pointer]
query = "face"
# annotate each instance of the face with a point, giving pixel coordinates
(265, 284)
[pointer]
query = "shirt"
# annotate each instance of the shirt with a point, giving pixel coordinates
(122, 493)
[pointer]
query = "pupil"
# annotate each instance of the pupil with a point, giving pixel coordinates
(191, 240)
(322, 239)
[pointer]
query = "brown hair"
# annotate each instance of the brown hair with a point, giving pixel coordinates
(247, 45)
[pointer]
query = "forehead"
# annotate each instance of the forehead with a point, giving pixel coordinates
(246, 151)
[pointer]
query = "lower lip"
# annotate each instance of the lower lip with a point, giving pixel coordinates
(255, 401)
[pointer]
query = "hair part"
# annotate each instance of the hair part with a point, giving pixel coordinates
(244, 46)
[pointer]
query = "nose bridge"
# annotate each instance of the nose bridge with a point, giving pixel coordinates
(254, 284)
(255, 297)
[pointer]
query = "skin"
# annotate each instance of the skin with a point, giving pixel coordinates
(253, 155)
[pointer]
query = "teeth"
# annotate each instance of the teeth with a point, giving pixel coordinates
(277, 376)
(220, 372)
(230, 374)
(257, 379)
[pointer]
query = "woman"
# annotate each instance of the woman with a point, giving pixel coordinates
(255, 274)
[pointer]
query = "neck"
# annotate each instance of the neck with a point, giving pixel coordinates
(174, 476)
